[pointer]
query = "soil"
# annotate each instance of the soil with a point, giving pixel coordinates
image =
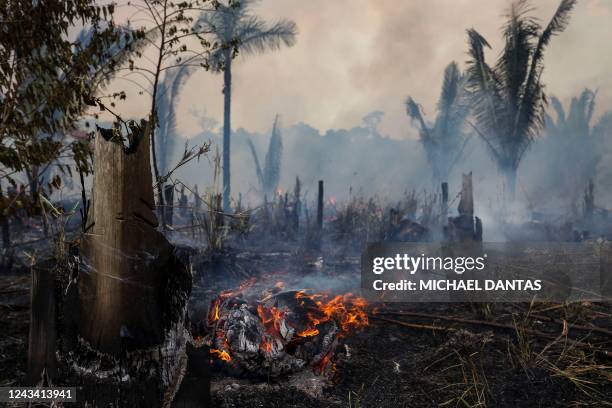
(386, 364)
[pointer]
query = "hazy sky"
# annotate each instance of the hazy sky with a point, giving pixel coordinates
(356, 56)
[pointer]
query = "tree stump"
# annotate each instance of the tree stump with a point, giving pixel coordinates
(465, 227)
(132, 289)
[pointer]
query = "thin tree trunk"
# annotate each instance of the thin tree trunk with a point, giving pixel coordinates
(510, 175)
(33, 182)
(169, 208)
(444, 204)
(227, 106)
(320, 207)
(153, 115)
(41, 341)
(6, 231)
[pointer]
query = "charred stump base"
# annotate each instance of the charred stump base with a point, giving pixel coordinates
(134, 376)
(126, 335)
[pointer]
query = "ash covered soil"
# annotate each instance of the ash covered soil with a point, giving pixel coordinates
(454, 354)
(403, 361)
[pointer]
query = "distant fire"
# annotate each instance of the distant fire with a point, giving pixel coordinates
(281, 331)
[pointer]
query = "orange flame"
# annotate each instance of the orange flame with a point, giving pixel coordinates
(271, 318)
(310, 332)
(266, 345)
(221, 354)
(348, 310)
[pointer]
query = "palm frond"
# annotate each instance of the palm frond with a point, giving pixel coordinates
(519, 34)
(272, 168)
(509, 100)
(530, 117)
(258, 171)
(413, 110)
(452, 106)
(255, 36)
(558, 107)
(169, 92)
(485, 88)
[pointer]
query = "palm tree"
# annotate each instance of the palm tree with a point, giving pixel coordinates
(238, 30)
(509, 100)
(167, 100)
(269, 176)
(574, 142)
(445, 141)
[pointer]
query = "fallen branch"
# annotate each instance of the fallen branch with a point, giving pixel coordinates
(498, 325)
(532, 332)
(575, 326)
(413, 325)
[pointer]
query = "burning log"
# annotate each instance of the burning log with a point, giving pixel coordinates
(284, 332)
(131, 288)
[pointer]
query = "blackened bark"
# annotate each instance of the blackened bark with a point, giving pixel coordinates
(169, 198)
(41, 341)
(227, 107)
(320, 206)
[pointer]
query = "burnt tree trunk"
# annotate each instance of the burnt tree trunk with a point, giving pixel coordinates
(41, 341)
(320, 207)
(465, 227)
(227, 108)
(169, 199)
(4, 220)
(444, 203)
(132, 290)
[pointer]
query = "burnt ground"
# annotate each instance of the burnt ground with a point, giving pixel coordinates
(394, 366)
(432, 362)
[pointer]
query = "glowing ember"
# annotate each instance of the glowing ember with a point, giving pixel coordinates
(221, 354)
(271, 332)
(308, 333)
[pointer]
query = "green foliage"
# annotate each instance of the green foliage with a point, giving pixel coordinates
(48, 79)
